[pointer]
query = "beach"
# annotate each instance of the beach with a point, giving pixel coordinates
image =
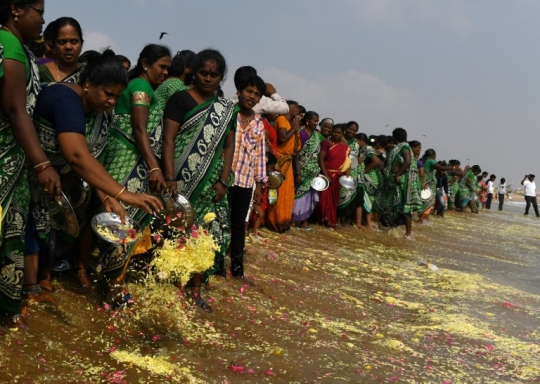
(327, 307)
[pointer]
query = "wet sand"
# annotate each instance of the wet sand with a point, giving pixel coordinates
(327, 307)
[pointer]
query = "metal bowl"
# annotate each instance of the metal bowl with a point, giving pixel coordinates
(184, 214)
(347, 182)
(107, 225)
(320, 183)
(426, 194)
(63, 215)
(275, 179)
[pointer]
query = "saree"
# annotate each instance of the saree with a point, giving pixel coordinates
(430, 182)
(350, 199)
(335, 160)
(125, 164)
(453, 189)
(14, 190)
(279, 215)
(198, 163)
(466, 193)
(168, 88)
(370, 181)
(402, 197)
(306, 198)
(45, 75)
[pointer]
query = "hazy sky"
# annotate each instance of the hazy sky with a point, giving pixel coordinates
(460, 76)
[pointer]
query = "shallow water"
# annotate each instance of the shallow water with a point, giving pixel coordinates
(328, 306)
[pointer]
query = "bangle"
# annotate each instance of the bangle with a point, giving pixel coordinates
(42, 164)
(154, 169)
(43, 167)
(119, 193)
(224, 184)
(105, 199)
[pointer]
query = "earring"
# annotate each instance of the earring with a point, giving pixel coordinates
(146, 69)
(15, 16)
(86, 88)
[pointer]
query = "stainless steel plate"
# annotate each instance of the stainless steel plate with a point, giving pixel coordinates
(108, 226)
(347, 182)
(319, 183)
(63, 214)
(275, 179)
(354, 161)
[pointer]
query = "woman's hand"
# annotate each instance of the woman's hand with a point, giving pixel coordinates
(296, 122)
(50, 181)
(157, 181)
(113, 205)
(298, 179)
(143, 201)
(220, 191)
(172, 186)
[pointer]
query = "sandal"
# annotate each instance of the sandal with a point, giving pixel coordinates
(83, 278)
(16, 321)
(199, 301)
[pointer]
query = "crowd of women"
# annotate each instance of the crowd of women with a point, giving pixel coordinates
(164, 126)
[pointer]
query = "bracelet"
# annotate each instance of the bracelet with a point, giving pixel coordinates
(224, 184)
(154, 169)
(43, 167)
(105, 199)
(119, 193)
(41, 164)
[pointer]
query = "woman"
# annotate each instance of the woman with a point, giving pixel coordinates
(19, 86)
(178, 77)
(67, 41)
(72, 126)
(468, 187)
(334, 162)
(369, 178)
(188, 117)
(351, 201)
(306, 198)
(325, 128)
(453, 184)
(429, 181)
(279, 215)
(403, 197)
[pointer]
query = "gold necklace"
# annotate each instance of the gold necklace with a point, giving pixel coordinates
(246, 119)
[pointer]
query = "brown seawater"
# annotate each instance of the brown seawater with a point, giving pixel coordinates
(327, 307)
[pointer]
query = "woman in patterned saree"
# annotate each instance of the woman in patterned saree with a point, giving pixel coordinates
(72, 125)
(468, 187)
(334, 162)
(306, 198)
(403, 194)
(351, 201)
(134, 147)
(198, 147)
(19, 86)
(369, 177)
(430, 181)
(279, 215)
(67, 41)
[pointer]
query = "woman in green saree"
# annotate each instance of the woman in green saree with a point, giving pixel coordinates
(369, 176)
(403, 194)
(468, 186)
(306, 198)
(430, 181)
(178, 75)
(19, 86)
(67, 41)
(198, 145)
(351, 201)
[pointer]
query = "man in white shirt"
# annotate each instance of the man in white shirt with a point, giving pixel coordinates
(490, 190)
(529, 187)
(271, 102)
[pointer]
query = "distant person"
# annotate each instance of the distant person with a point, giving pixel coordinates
(501, 191)
(490, 190)
(529, 187)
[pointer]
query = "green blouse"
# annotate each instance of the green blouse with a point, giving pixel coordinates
(139, 93)
(13, 49)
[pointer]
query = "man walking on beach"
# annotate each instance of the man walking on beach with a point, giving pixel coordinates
(529, 187)
(490, 190)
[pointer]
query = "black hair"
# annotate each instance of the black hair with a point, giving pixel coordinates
(219, 92)
(60, 23)
(210, 55)
(399, 134)
(37, 47)
(503, 180)
(442, 163)
(415, 144)
(270, 159)
(310, 115)
(241, 72)
(302, 109)
(340, 126)
(87, 56)
(5, 8)
(252, 80)
(476, 168)
(151, 53)
(352, 122)
(479, 178)
(292, 102)
(180, 61)
(104, 70)
(363, 137)
(493, 176)
(122, 59)
(429, 153)
(383, 141)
